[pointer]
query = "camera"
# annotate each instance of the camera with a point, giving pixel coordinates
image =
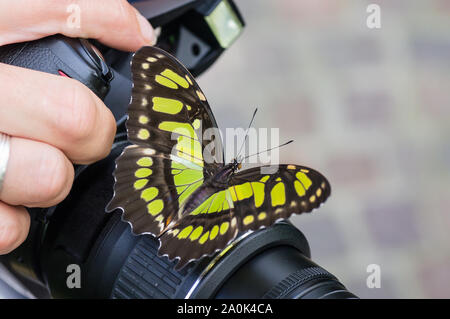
(77, 235)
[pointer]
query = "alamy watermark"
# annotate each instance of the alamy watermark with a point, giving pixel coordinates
(373, 20)
(74, 19)
(74, 278)
(249, 146)
(374, 279)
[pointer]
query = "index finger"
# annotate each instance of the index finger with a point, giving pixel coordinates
(113, 22)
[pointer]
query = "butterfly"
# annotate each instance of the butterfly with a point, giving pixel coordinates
(164, 185)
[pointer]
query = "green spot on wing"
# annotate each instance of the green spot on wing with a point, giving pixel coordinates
(304, 179)
(278, 195)
(166, 82)
(143, 172)
(185, 232)
(149, 193)
(299, 188)
(140, 183)
(168, 106)
(258, 189)
(175, 77)
(155, 207)
(145, 161)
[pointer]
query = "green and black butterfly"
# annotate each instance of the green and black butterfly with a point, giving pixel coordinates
(166, 188)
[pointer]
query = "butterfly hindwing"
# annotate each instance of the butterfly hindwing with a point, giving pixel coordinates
(253, 200)
(206, 229)
(196, 236)
(261, 199)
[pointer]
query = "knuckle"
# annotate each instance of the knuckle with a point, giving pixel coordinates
(10, 234)
(110, 133)
(54, 178)
(76, 120)
(121, 13)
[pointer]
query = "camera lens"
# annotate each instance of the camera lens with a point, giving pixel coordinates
(282, 272)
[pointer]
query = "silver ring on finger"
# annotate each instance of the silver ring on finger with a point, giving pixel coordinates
(4, 155)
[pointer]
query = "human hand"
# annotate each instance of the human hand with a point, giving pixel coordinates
(54, 121)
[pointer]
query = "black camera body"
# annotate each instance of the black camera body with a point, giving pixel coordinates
(77, 236)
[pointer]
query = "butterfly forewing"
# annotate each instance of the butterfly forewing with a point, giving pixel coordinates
(168, 110)
(167, 117)
(145, 187)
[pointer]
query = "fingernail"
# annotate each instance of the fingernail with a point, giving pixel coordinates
(146, 29)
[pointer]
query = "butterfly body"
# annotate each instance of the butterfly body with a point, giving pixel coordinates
(217, 182)
(168, 186)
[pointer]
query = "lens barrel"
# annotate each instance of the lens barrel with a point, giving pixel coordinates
(283, 272)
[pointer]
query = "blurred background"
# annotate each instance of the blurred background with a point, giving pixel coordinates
(370, 109)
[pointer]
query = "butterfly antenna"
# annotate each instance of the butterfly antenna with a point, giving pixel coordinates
(246, 132)
(268, 150)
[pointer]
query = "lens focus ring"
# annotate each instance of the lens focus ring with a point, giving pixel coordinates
(299, 283)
